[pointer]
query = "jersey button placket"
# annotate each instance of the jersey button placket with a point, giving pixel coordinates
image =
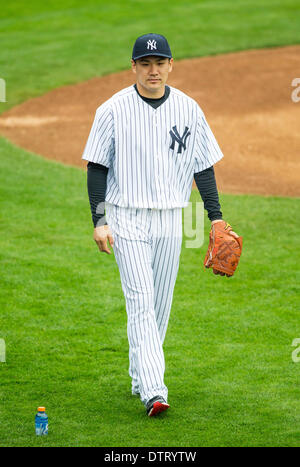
(156, 155)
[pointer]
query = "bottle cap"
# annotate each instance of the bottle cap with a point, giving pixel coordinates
(41, 409)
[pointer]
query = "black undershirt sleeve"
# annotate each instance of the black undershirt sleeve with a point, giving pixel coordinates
(96, 183)
(207, 186)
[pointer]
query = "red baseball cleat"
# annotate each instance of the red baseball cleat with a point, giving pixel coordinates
(156, 406)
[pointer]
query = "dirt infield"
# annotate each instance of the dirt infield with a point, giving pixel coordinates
(246, 97)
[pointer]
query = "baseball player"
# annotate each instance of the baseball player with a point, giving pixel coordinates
(146, 145)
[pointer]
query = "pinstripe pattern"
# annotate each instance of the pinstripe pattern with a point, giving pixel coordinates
(133, 140)
(148, 262)
(149, 180)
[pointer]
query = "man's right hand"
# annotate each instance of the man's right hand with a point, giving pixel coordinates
(101, 235)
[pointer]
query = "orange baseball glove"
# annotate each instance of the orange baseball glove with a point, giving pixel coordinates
(224, 249)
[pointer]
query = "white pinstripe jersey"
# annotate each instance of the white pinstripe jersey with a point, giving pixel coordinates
(152, 154)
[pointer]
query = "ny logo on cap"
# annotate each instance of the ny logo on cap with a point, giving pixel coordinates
(151, 44)
(181, 140)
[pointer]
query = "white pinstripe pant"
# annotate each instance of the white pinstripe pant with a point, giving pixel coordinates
(147, 245)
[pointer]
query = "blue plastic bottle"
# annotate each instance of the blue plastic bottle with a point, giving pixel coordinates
(41, 422)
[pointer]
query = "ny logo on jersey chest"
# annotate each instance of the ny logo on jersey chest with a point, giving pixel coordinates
(181, 140)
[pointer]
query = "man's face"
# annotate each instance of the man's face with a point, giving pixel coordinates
(152, 73)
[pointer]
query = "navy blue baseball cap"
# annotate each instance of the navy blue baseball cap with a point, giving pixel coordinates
(151, 44)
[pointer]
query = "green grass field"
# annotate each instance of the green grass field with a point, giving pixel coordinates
(47, 44)
(229, 368)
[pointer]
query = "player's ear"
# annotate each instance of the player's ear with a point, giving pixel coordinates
(170, 65)
(133, 66)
